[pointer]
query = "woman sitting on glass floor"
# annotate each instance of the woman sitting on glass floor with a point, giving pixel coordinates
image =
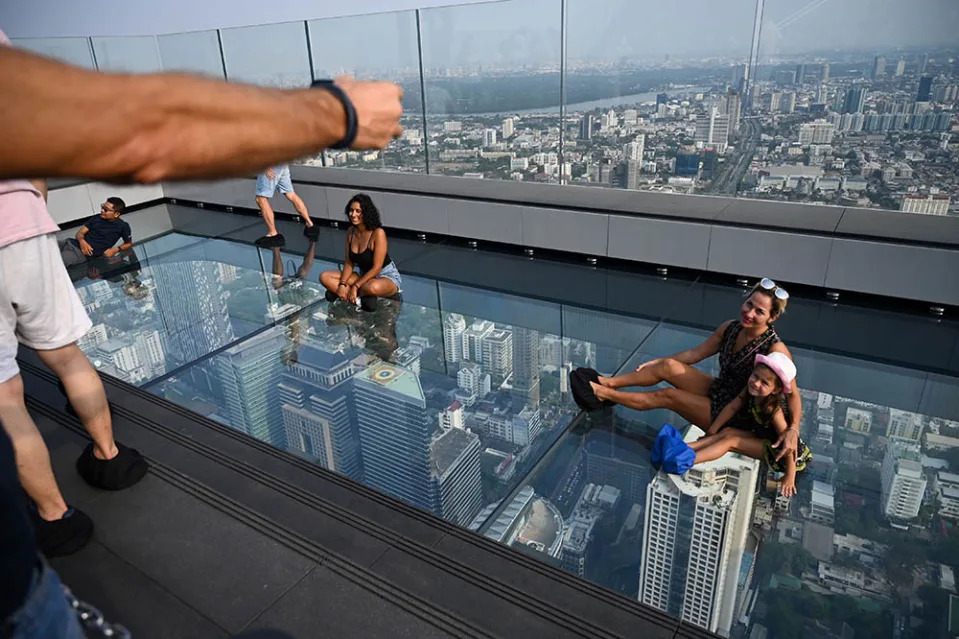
(368, 272)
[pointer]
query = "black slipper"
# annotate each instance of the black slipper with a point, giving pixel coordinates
(583, 394)
(124, 470)
(368, 303)
(312, 232)
(62, 536)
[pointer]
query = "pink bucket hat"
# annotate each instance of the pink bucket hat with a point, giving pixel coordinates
(780, 364)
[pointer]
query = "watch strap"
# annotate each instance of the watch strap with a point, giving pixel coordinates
(348, 108)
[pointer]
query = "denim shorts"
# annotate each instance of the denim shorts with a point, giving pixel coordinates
(45, 613)
(391, 273)
(265, 187)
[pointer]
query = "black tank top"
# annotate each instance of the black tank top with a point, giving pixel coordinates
(736, 366)
(364, 259)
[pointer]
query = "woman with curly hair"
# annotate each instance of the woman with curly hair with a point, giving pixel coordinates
(368, 272)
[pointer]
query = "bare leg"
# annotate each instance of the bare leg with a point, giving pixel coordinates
(678, 374)
(379, 287)
(300, 207)
(331, 280)
(268, 217)
(33, 459)
(731, 439)
(690, 406)
(703, 442)
(86, 395)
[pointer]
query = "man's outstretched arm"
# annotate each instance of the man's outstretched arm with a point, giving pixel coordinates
(59, 120)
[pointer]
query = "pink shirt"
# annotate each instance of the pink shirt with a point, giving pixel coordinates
(23, 213)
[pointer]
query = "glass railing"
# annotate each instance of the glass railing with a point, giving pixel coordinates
(748, 98)
(454, 398)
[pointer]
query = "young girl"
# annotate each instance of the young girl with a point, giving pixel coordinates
(757, 413)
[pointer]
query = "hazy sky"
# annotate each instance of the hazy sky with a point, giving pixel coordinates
(519, 33)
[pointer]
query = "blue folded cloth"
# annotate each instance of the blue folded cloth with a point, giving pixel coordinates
(671, 453)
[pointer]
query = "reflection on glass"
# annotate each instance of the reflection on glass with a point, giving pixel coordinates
(492, 90)
(722, 548)
(270, 54)
(656, 108)
(128, 54)
(333, 43)
(466, 413)
(70, 50)
(198, 52)
(857, 119)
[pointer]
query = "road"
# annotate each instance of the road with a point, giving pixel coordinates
(726, 183)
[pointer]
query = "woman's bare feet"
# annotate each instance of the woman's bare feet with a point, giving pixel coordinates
(601, 391)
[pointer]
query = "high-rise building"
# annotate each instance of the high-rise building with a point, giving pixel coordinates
(904, 425)
(473, 380)
(712, 130)
(473, 339)
(687, 162)
(772, 100)
(878, 67)
(458, 485)
(453, 328)
(824, 72)
(586, 127)
(927, 204)
(451, 416)
(661, 98)
(900, 67)
(855, 100)
(634, 150)
(610, 121)
(498, 355)
(395, 434)
(316, 402)
(731, 107)
(816, 132)
(787, 104)
(800, 72)
(694, 537)
(249, 374)
(925, 89)
(526, 366)
(527, 426)
(508, 128)
(489, 137)
(925, 63)
(192, 309)
(634, 170)
(858, 420)
(903, 482)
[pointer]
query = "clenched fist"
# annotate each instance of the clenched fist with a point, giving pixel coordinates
(378, 111)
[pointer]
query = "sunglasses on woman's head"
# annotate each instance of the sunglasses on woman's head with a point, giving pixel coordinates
(769, 285)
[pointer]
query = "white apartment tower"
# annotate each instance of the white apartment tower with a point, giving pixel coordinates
(694, 537)
(453, 328)
(903, 482)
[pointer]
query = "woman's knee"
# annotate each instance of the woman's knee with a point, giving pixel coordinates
(670, 368)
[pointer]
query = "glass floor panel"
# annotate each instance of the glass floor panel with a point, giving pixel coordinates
(454, 398)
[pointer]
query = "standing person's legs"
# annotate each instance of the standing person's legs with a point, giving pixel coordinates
(265, 188)
(285, 185)
(60, 529)
(50, 319)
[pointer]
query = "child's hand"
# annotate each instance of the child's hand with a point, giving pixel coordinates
(788, 486)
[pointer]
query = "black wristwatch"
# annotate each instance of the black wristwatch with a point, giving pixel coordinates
(351, 124)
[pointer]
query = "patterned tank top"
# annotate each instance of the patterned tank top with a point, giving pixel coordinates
(736, 366)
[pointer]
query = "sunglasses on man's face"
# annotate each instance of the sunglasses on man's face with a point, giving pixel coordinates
(106, 209)
(768, 285)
